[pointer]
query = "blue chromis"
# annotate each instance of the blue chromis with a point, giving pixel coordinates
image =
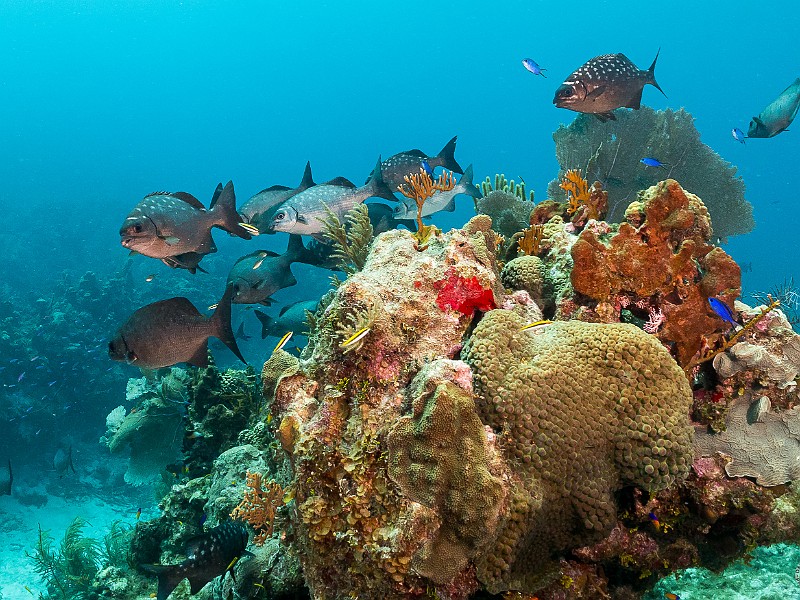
(652, 162)
(534, 68)
(427, 167)
(723, 311)
(738, 135)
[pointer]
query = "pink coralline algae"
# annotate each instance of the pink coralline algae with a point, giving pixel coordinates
(462, 294)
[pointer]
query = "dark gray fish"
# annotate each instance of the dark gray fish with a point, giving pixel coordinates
(207, 557)
(240, 333)
(176, 227)
(382, 218)
(291, 318)
(258, 275)
(259, 210)
(778, 115)
(302, 213)
(396, 167)
(440, 200)
(171, 331)
(62, 462)
(6, 480)
(605, 83)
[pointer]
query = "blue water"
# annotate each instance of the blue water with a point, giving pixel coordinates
(102, 102)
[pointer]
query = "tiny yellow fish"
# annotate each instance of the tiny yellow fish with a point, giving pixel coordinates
(153, 595)
(249, 228)
(269, 418)
(233, 562)
(288, 496)
(194, 435)
(259, 261)
(259, 585)
(150, 278)
(213, 306)
(284, 340)
(535, 325)
(354, 340)
(27, 589)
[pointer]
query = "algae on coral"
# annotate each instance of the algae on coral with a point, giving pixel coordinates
(610, 152)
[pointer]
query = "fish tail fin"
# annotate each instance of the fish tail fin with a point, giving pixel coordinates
(266, 323)
(296, 252)
(168, 578)
(71, 466)
(308, 180)
(225, 215)
(448, 158)
(651, 74)
(466, 183)
(221, 323)
(377, 186)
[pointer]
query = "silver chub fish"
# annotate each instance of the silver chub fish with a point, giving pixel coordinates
(259, 209)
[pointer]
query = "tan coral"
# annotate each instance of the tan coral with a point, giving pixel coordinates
(581, 409)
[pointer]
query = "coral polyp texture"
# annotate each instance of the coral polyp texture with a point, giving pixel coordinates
(661, 257)
(580, 410)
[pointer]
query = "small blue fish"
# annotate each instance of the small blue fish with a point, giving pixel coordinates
(656, 523)
(652, 162)
(723, 311)
(531, 65)
(427, 167)
(738, 135)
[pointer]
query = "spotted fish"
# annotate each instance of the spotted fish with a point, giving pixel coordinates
(259, 209)
(605, 83)
(207, 557)
(396, 167)
(176, 227)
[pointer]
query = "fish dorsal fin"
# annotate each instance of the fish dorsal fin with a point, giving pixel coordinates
(308, 180)
(285, 308)
(275, 188)
(415, 152)
(189, 199)
(341, 182)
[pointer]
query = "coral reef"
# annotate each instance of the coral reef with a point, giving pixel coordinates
(659, 258)
(610, 153)
(525, 273)
(507, 205)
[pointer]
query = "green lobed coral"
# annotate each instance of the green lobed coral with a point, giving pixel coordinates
(610, 153)
(525, 273)
(580, 410)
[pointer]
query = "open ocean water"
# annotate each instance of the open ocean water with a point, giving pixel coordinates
(104, 101)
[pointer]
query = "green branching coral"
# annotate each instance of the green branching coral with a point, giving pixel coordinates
(610, 153)
(69, 570)
(506, 204)
(351, 239)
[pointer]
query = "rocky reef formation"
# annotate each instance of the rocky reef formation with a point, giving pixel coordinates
(438, 437)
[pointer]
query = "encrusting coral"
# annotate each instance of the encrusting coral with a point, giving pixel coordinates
(660, 259)
(610, 153)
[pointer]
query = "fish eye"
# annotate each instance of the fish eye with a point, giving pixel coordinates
(565, 92)
(280, 216)
(137, 228)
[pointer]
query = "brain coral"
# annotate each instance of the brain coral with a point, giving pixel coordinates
(524, 273)
(580, 410)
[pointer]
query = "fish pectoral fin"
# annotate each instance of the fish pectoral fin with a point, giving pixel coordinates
(130, 357)
(606, 116)
(596, 92)
(200, 357)
(302, 219)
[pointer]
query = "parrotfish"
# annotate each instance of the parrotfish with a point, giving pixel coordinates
(291, 318)
(208, 556)
(176, 227)
(407, 209)
(258, 275)
(534, 68)
(259, 209)
(778, 115)
(605, 83)
(396, 167)
(171, 331)
(304, 212)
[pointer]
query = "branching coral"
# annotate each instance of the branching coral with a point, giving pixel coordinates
(259, 505)
(611, 152)
(419, 187)
(501, 184)
(350, 240)
(529, 242)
